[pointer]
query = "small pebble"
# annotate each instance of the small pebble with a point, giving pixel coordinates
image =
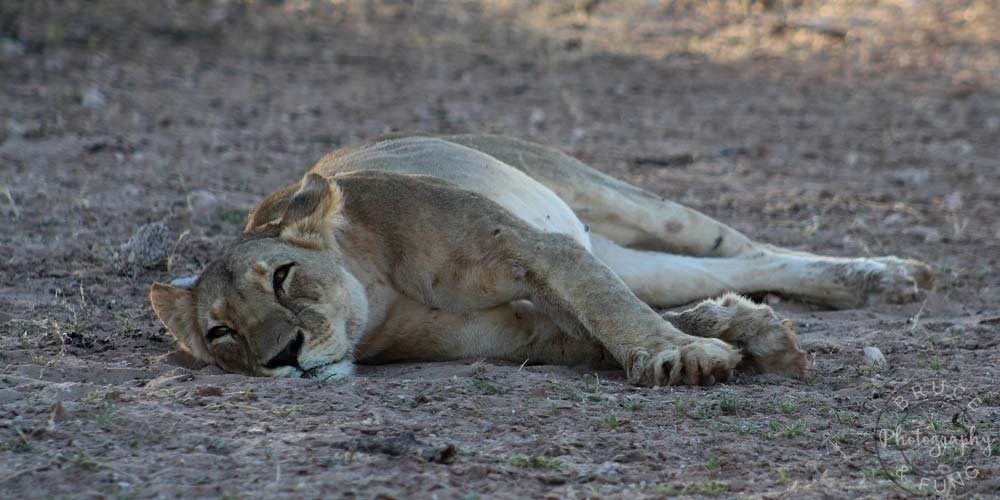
(928, 234)
(10, 49)
(201, 200)
(874, 358)
(93, 98)
(185, 281)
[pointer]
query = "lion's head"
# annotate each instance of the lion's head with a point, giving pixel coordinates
(279, 301)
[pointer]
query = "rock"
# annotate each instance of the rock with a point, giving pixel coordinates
(851, 158)
(204, 206)
(444, 454)
(874, 358)
(69, 391)
(169, 380)
(148, 247)
(953, 201)
(395, 446)
(629, 457)
(27, 129)
(859, 222)
(911, 176)
(537, 118)
(185, 281)
(894, 219)
(10, 396)
(811, 344)
(205, 391)
(182, 359)
(929, 234)
(10, 49)
(58, 413)
(93, 98)
(201, 201)
(955, 330)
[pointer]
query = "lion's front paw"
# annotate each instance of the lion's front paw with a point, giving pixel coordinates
(700, 362)
(774, 348)
(767, 341)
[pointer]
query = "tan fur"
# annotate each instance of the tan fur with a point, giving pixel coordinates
(310, 218)
(175, 308)
(768, 342)
(424, 248)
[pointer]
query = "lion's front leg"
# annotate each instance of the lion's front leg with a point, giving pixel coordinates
(460, 252)
(582, 296)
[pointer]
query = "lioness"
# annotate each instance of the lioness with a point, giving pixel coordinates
(434, 248)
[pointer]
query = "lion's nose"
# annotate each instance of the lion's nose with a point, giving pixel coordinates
(289, 356)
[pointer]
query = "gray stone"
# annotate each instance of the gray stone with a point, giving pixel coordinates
(874, 358)
(93, 98)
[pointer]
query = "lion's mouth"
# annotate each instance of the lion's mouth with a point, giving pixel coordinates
(330, 371)
(314, 371)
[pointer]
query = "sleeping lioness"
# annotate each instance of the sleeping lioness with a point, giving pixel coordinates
(418, 248)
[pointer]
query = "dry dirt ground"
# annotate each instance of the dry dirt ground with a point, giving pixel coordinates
(841, 127)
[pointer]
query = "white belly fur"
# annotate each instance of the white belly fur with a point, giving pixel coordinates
(539, 206)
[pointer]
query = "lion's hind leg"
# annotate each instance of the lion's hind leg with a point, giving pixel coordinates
(768, 342)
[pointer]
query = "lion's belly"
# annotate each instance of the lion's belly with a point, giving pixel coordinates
(539, 206)
(512, 189)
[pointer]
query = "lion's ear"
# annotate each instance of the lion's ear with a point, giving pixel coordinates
(175, 308)
(270, 209)
(311, 213)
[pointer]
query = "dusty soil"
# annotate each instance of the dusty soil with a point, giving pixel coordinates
(840, 127)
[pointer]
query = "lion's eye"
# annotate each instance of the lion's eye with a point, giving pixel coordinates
(218, 332)
(279, 277)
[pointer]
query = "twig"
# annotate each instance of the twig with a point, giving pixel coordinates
(26, 471)
(680, 160)
(10, 199)
(836, 33)
(989, 321)
(173, 251)
(684, 159)
(916, 317)
(21, 435)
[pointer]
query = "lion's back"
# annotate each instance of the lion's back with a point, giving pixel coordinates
(466, 168)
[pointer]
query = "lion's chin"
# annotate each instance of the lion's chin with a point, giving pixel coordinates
(331, 371)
